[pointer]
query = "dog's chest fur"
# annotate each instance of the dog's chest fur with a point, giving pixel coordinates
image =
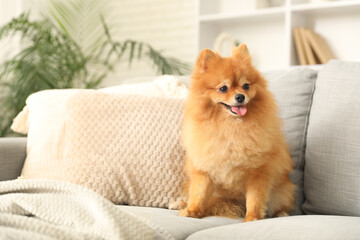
(228, 156)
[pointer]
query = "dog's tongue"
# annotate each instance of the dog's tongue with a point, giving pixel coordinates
(240, 110)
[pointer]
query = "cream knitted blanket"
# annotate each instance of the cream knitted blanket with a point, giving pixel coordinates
(47, 209)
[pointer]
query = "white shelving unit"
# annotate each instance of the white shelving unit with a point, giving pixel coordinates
(268, 31)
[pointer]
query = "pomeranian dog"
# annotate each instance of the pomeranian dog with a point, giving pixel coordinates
(237, 160)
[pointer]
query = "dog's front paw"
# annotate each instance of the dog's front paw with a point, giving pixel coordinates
(282, 214)
(196, 213)
(177, 205)
(251, 217)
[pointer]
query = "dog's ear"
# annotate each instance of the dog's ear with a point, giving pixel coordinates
(241, 52)
(205, 58)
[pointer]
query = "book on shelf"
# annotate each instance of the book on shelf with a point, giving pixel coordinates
(299, 46)
(311, 48)
(309, 53)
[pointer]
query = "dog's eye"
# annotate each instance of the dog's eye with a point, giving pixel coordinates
(246, 86)
(223, 89)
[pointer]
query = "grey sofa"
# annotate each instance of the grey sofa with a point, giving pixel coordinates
(321, 114)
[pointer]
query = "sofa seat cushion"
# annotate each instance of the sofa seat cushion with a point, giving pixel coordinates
(294, 227)
(176, 226)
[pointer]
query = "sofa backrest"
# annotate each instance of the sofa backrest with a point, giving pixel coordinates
(293, 91)
(12, 157)
(332, 165)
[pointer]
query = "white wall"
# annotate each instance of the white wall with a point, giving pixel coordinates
(166, 25)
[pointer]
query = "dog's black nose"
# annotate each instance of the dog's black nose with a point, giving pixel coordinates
(240, 98)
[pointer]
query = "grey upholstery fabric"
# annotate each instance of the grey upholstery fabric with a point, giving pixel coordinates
(12, 157)
(332, 169)
(285, 228)
(178, 227)
(293, 92)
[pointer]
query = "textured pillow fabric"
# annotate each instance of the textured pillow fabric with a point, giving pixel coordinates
(332, 169)
(125, 147)
(43, 120)
(293, 92)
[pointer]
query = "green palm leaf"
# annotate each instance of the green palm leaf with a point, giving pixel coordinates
(79, 19)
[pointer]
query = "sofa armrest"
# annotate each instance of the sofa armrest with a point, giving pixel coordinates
(12, 157)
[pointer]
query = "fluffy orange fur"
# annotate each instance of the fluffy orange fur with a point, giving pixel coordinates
(236, 161)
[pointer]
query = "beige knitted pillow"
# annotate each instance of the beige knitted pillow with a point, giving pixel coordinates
(43, 119)
(125, 147)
